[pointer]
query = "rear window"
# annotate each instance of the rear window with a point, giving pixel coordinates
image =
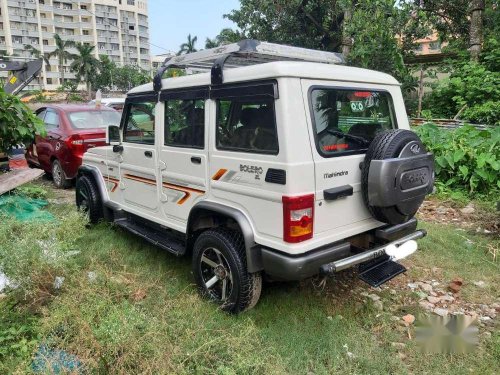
(93, 119)
(345, 121)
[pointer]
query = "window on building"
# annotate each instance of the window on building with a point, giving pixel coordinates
(434, 46)
(45, 42)
(131, 27)
(130, 2)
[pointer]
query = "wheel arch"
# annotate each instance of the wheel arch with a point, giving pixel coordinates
(219, 212)
(95, 174)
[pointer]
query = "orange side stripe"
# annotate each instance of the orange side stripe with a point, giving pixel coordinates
(219, 174)
(186, 190)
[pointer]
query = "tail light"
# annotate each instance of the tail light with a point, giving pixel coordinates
(76, 144)
(298, 218)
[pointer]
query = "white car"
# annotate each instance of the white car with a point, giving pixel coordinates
(292, 167)
(115, 103)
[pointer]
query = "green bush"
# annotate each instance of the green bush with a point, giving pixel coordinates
(18, 124)
(486, 113)
(465, 157)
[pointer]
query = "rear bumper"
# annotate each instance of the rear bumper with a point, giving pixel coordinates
(287, 267)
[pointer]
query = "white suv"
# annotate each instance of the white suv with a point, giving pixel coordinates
(288, 168)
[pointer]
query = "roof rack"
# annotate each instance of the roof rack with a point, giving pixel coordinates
(244, 53)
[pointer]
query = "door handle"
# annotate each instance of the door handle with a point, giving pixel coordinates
(148, 154)
(195, 160)
(338, 192)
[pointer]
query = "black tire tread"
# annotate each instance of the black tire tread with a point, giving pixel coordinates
(95, 212)
(250, 283)
(383, 146)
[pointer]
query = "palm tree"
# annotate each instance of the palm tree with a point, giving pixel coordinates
(37, 54)
(189, 46)
(85, 64)
(62, 54)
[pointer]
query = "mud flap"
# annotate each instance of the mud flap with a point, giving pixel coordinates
(379, 271)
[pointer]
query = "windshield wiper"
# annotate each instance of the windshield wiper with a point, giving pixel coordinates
(355, 138)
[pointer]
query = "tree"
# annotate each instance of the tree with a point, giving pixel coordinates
(62, 54)
(476, 28)
(37, 54)
(315, 24)
(189, 46)
(18, 124)
(226, 36)
(85, 64)
(104, 79)
(128, 76)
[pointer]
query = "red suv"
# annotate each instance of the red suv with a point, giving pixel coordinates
(71, 130)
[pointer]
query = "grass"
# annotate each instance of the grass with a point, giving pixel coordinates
(127, 307)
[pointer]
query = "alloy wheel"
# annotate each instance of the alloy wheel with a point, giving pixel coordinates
(216, 274)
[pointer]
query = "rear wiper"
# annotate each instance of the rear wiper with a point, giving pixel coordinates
(355, 138)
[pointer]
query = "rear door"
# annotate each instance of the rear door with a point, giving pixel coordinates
(183, 153)
(344, 120)
(47, 146)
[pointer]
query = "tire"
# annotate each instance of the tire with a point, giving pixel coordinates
(58, 176)
(88, 199)
(386, 145)
(220, 271)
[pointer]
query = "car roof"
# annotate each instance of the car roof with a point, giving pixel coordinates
(76, 107)
(278, 69)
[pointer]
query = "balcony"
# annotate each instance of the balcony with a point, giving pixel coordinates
(86, 25)
(14, 18)
(47, 21)
(87, 38)
(67, 12)
(46, 8)
(47, 34)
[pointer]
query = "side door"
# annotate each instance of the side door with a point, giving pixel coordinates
(183, 153)
(136, 163)
(48, 146)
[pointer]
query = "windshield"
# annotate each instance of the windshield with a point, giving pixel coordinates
(94, 119)
(347, 120)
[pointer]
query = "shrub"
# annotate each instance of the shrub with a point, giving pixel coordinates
(465, 157)
(486, 113)
(17, 123)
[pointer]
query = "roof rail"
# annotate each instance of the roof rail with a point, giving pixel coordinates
(244, 53)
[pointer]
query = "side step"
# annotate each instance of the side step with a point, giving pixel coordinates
(156, 237)
(379, 271)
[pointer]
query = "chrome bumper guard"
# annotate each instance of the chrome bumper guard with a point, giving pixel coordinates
(342, 264)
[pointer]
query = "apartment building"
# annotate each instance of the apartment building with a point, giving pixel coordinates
(118, 29)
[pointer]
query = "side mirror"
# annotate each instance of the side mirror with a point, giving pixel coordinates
(113, 135)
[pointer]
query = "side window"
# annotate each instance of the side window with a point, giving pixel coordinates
(185, 123)
(247, 125)
(140, 123)
(51, 120)
(41, 115)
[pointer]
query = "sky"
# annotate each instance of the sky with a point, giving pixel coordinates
(170, 22)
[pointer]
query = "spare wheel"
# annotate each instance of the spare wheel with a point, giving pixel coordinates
(397, 174)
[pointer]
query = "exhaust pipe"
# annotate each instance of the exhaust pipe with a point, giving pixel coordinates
(389, 249)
